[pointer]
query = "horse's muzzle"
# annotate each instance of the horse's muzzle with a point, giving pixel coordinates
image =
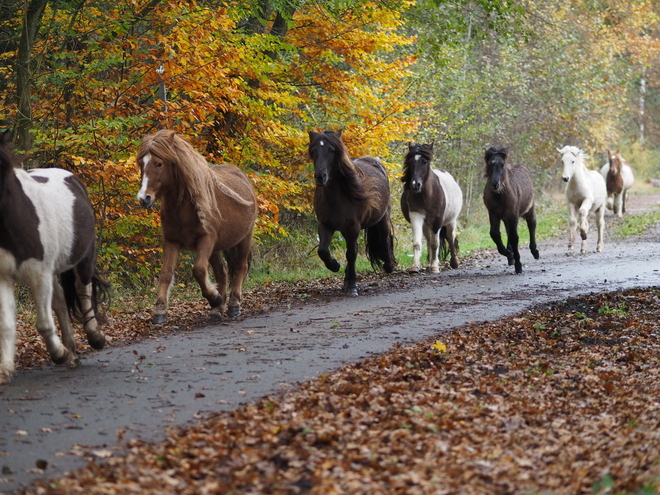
(321, 180)
(147, 201)
(565, 179)
(416, 187)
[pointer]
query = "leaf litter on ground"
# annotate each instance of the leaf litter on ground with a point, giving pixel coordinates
(561, 399)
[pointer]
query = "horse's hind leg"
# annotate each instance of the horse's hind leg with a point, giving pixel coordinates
(170, 255)
(62, 314)
(85, 290)
(238, 272)
(450, 233)
(600, 224)
(530, 218)
(220, 275)
(42, 288)
(7, 330)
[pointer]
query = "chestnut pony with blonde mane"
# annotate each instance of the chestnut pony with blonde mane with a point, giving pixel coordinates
(350, 196)
(210, 210)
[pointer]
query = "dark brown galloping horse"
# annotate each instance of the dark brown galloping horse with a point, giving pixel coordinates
(351, 195)
(207, 209)
(509, 195)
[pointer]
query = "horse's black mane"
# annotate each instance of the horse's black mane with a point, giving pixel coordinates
(425, 150)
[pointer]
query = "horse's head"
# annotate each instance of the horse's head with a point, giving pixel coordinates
(496, 167)
(417, 165)
(614, 158)
(156, 159)
(571, 157)
(325, 149)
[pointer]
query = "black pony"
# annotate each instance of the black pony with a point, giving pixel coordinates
(351, 195)
(509, 195)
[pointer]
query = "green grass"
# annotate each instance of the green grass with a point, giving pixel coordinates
(635, 224)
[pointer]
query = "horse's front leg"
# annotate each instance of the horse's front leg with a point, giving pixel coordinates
(220, 274)
(417, 224)
(7, 330)
(170, 255)
(325, 237)
(583, 223)
(433, 245)
(572, 225)
(239, 271)
(618, 205)
(496, 236)
(350, 279)
(200, 272)
(530, 218)
(512, 236)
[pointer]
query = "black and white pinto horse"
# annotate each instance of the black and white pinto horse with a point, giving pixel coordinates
(46, 230)
(431, 201)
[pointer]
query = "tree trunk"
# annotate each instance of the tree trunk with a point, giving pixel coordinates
(29, 31)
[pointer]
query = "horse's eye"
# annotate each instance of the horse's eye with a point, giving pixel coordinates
(159, 164)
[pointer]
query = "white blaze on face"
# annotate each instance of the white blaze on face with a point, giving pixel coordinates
(143, 190)
(417, 157)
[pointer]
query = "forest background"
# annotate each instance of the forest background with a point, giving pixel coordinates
(83, 80)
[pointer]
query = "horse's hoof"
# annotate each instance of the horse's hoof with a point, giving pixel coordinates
(159, 319)
(434, 269)
(414, 269)
(333, 266)
(215, 315)
(61, 359)
(535, 253)
(518, 269)
(97, 343)
(350, 291)
(453, 264)
(389, 267)
(233, 311)
(217, 301)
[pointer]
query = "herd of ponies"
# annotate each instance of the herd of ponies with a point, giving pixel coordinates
(47, 224)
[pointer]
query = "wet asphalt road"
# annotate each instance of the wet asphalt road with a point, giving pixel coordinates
(141, 389)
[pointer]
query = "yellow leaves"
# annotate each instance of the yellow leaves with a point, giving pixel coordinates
(439, 346)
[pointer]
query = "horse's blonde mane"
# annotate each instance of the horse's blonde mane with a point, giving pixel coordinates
(198, 183)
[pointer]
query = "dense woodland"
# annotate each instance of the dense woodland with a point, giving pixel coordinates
(83, 81)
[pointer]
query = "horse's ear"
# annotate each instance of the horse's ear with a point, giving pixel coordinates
(339, 131)
(6, 137)
(410, 145)
(312, 134)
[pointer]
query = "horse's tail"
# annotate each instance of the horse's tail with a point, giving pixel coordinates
(445, 250)
(100, 294)
(379, 241)
(231, 256)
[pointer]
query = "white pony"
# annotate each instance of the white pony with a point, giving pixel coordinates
(585, 193)
(619, 178)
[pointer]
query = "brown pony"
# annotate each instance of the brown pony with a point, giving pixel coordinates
(619, 178)
(351, 195)
(509, 195)
(207, 209)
